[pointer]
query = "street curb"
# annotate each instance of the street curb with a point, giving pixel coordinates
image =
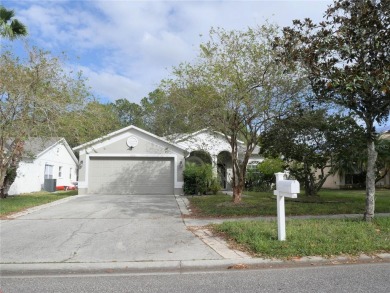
(177, 266)
(183, 204)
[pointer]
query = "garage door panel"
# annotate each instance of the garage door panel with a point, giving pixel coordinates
(131, 176)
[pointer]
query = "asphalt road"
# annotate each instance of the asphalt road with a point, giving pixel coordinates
(338, 278)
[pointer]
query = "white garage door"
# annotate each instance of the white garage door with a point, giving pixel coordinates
(130, 175)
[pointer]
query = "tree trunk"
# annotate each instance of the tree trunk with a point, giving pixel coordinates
(239, 188)
(9, 179)
(239, 167)
(237, 194)
(237, 191)
(8, 171)
(2, 182)
(310, 187)
(3, 177)
(370, 181)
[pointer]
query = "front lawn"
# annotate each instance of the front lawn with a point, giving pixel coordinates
(329, 237)
(329, 202)
(13, 204)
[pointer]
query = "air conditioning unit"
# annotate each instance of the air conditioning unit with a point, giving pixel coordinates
(50, 185)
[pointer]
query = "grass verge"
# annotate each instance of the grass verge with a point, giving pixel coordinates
(329, 202)
(14, 204)
(309, 237)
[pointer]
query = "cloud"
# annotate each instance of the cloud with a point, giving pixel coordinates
(163, 49)
(110, 85)
(127, 47)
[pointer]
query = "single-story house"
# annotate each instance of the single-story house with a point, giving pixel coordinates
(45, 158)
(386, 180)
(134, 161)
(337, 180)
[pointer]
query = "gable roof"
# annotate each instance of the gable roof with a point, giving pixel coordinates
(112, 134)
(37, 146)
(34, 146)
(180, 138)
(185, 136)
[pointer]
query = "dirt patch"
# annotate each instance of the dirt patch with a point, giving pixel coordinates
(232, 244)
(239, 266)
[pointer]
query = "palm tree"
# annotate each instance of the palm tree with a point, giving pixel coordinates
(10, 28)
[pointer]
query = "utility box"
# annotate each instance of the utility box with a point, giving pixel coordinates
(50, 185)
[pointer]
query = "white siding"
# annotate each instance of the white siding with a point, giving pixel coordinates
(30, 175)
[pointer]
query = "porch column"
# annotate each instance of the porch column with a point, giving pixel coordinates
(214, 159)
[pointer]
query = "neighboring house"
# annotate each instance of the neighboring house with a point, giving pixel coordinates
(44, 158)
(337, 181)
(134, 161)
(211, 147)
(385, 181)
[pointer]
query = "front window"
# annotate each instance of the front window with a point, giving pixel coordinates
(48, 171)
(252, 165)
(59, 172)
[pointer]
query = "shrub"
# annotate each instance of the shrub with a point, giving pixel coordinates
(215, 186)
(253, 180)
(262, 177)
(197, 178)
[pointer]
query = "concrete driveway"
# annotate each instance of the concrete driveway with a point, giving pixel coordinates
(102, 228)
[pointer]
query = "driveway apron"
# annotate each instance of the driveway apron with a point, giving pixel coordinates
(102, 228)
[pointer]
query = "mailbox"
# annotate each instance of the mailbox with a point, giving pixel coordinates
(284, 188)
(288, 186)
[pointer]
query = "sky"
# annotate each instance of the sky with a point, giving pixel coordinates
(126, 47)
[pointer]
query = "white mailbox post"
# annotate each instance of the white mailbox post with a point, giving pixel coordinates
(284, 188)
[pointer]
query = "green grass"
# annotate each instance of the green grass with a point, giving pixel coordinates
(13, 204)
(309, 237)
(264, 204)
